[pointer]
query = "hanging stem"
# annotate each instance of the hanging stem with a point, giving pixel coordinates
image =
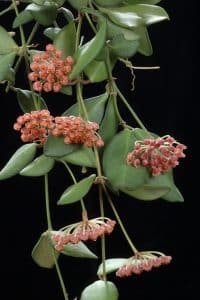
(103, 241)
(133, 113)
(75, 181)
(49, 223)
(10, 7)
(120, 221)
(23, 40)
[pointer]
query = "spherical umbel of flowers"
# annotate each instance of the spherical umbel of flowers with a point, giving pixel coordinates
(143, 261)
(159, 155)
(49, 70)
(77, 131)
(34, 126)
(82, 231)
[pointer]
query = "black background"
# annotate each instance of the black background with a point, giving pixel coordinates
(162, 99)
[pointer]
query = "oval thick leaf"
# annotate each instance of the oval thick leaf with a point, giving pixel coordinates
(75, 250)
(149, 13)
(143, 1)
(23, 156)
(95, 107)
(120, 175)
(145, 46)
(111, 265)
(26, 101)
(108, 2)
(148, 192)
(78, 4)
(78, 250)
(66, 90)
(65, 40)
(122, 47)
(66, 13)
(40, 166)
(51, 32)
(76, 191)
(82, 157)
(23, 17)
(96, 71)
(109, 124)
(6, 62)
(42, 253)
(88, 52)
(44, 14)
(100, 290)
(55, 147)
(8, 45)
(174, 195)
(123, 16)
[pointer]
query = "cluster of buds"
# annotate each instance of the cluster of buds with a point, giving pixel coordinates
(143, 261)
(159, 155)
(82, 231)
(49, 70)
(35, 126)
(77, 131)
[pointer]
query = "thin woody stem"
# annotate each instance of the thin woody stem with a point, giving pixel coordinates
(49, 223)
(120, 221)
(75, 181)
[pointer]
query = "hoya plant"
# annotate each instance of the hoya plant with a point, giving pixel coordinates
(114, 158)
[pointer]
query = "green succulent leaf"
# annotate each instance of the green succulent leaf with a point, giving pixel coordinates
(95, 107)
(55, 147)
(38, 167)
(143, 1)
(77, 191)
(78, 4)
(174, 195)
(145, 47)
(22, 157)
(66, 13)
(6, 62)
(149, 13)
(44, 14)
(96, 71)
(109, 124)
(122, 47)
(155, 188)
(27, 101)
(39, 2)
(108, 2)
(8, 45)
(82, 157)
(51, 32)
(75, 250)
(65, 39)
(78, 250)
(100, 290)
(88, 52)
(123, 16)
(111, 265)
(43, 253)
(23, 17)
(66, 90)
(120, 175)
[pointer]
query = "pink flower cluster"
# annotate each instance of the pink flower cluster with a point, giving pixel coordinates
(49, 71)
(77, 131)
(159, 155)
(37, 125)
(34, 126)
(83, 231)
(143, 261)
